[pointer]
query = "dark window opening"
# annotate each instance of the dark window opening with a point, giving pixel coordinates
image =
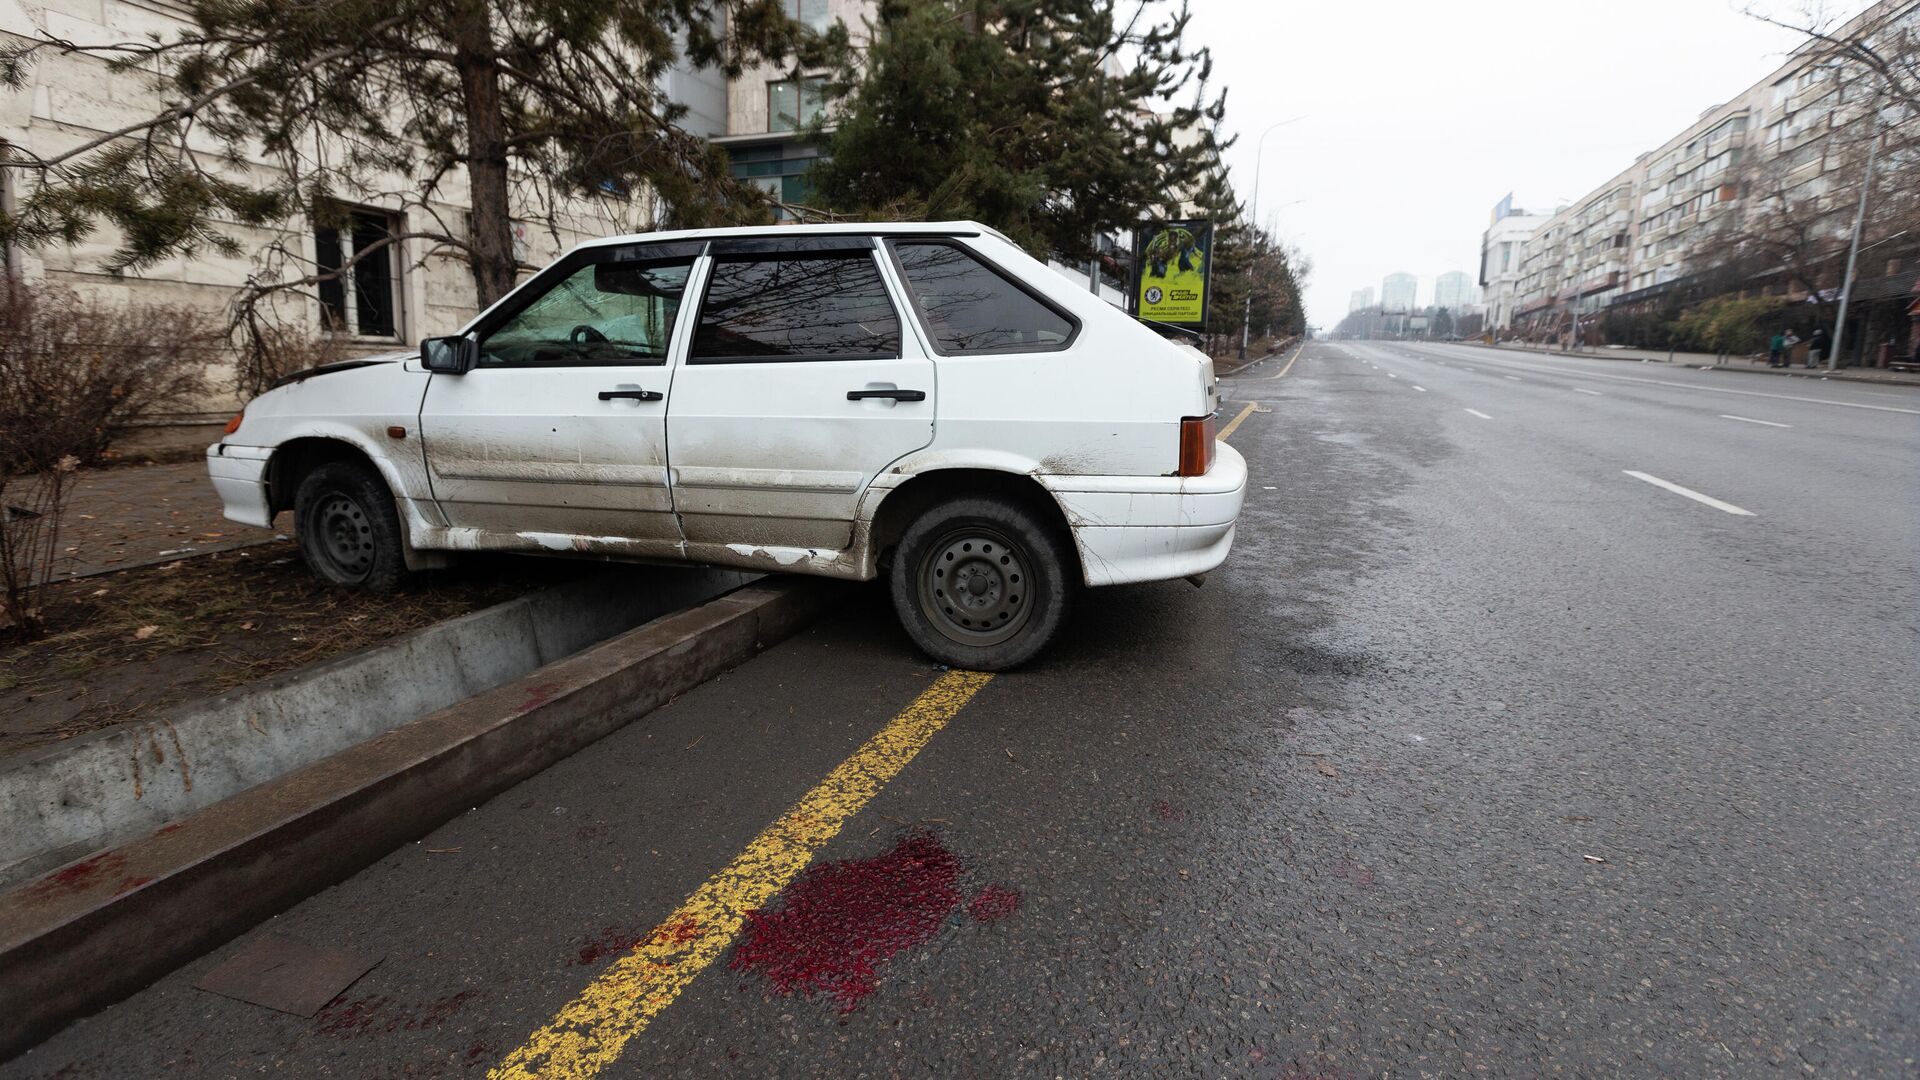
(373, 311)
(969, 307)
(810, 307)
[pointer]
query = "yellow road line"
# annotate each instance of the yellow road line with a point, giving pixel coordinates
(1282, 373)
(1235, 422)
(590, 1032)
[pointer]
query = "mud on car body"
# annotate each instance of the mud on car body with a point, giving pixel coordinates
(921, 401)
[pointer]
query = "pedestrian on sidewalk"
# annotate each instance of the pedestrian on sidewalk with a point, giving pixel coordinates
(1816, 347)
(1776, 349)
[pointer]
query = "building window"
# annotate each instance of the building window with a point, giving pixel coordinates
(793, 104)
(362, 238)
(811, 14)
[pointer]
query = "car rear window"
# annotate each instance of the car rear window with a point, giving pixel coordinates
(822, 306)
(970, 307)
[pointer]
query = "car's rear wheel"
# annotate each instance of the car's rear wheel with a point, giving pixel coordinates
(348, 528)
(982, 583)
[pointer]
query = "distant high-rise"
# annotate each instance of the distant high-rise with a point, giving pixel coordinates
(1453, 290)
(1361, 300)
(1397, 292)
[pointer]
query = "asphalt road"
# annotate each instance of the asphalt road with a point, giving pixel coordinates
(1481, 755)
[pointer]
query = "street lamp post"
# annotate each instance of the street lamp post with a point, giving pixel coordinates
(1246, 306)
(1853, 249)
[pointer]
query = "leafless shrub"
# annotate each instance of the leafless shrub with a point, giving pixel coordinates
(271, 351)
(71, 371)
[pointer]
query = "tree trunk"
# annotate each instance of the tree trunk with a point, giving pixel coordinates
(492, 239)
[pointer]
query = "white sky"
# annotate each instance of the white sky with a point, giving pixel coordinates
(1419, 116)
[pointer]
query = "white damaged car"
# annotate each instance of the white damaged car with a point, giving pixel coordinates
(924, 401)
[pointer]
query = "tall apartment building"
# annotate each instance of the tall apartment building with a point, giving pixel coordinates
(1501, 254)
(1397, 292)
(1453, 290)
(1666, 217)
(1360, 300)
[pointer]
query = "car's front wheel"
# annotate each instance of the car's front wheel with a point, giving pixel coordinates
(982, 583)
(348, 527)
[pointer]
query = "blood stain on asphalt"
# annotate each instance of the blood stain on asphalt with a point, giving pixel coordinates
(383, 1016)
(613, 941)
(993, 903)
(838, 922)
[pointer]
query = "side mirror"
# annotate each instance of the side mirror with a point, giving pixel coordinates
(449, 355)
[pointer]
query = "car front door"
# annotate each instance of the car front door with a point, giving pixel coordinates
(799, 385)
(557, 437)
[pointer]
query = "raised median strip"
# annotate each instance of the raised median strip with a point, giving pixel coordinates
(94, 931)
(76, 797)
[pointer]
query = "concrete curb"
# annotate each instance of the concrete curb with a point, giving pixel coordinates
(71, 798)
(97, 930)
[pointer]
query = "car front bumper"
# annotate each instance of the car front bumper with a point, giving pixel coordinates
(1153, 528)
(239, 475)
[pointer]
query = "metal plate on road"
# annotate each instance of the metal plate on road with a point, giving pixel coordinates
(286, 975)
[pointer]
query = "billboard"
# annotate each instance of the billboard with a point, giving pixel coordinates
(1172, 261)
(1503, 208)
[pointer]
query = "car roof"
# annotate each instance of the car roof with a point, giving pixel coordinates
(840, 228)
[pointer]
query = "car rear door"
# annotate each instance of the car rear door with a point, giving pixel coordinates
(798, 386)
(557, 436)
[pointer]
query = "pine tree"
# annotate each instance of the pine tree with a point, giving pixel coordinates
(1050, 120)
(530, 101)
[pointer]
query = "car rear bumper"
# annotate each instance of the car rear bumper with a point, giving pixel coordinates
(239, 475)
(1153, 528)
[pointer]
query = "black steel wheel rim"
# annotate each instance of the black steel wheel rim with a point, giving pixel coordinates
(973, 585)
(343, 536)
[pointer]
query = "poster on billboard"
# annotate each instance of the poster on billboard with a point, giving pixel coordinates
(1171, 263)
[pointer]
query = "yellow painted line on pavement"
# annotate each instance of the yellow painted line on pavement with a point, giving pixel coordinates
(590, 1032)
(1282, 373)
(1235, 422)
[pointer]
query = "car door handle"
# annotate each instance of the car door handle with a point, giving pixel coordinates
(637, 395)
(897, 395)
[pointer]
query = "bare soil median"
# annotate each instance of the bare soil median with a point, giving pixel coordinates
(123, 646)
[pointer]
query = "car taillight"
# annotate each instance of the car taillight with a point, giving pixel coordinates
(233, 425)
(1197, 444)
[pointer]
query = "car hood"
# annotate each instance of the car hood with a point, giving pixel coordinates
(339, 365)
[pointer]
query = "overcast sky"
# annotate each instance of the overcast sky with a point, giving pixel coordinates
(1419, 116)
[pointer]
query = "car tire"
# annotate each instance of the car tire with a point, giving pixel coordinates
(349, 529)
(982, 583)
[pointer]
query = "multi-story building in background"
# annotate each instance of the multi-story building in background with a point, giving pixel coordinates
(768, 110)
(1397, 292)
(1656, 230)
(1454, 291)
(1360, 300)
(1501, 253)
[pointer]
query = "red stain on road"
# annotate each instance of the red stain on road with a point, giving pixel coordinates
(1166, 811)
(384, 1016)
(993, 903)
(613, 941)
(838, 922)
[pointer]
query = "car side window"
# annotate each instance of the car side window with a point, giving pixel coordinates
(809, 306)
(970, 307)
(603, 313)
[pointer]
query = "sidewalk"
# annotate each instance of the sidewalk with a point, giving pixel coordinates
(139, 514)
(1708, 360)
